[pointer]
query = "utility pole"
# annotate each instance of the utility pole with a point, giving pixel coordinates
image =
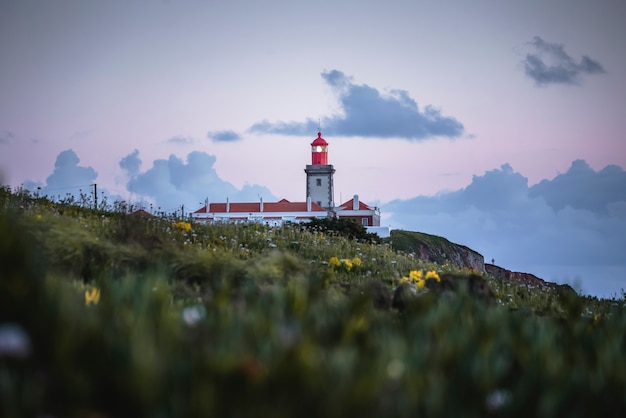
(95, 196)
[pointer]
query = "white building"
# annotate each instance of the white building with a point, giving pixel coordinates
(319, 202)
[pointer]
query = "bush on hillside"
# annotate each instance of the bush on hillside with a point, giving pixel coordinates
(348, 228)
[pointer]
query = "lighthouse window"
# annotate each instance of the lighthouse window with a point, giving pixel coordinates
(318, 182)
(364, 221)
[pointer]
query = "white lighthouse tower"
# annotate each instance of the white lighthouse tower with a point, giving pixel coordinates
(319, 175)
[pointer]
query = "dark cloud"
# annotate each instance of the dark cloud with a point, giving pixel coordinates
(554, 230)
(180, 140)
(224, 136)
(550, 64)
(173, 182)
(368, 113)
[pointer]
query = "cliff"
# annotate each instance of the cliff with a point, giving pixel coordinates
(439, 250)
(436, 249)
(525, 278)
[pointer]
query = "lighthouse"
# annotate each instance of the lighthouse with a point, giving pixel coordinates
(319, 175)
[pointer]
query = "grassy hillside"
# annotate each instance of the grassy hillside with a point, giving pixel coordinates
(436, 249)
(103, 313)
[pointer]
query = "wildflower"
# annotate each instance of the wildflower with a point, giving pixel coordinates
(334, 261)
(432, 275)
(356, 261)
(92, 296)
(420, 283)
(498, 399)
(348, 264)
(405, 280)
(415, 275)
(194, 314)
(185, 226)
(14, 341)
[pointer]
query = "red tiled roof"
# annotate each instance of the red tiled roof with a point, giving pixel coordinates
(142, 212)
(282, 205)
(350, 203)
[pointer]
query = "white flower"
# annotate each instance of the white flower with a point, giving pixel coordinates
(14, 342)
(193, 314)
(498, 399)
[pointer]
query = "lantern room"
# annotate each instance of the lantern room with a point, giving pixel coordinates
(319, 151)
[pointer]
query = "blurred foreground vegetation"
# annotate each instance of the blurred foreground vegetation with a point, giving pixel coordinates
(105, 313)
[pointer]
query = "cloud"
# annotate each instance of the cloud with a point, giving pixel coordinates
(369, 113)
(553, 229)
(131, 163)
(171, 183)
(583, 188)
(67, 179)
(179, 140)
(224, 136)
(68, 173)
(550, 64)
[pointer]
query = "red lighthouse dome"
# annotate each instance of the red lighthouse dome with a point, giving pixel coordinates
(319, 151)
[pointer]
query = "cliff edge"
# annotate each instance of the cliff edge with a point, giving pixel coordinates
(439, 250)
(436, 249)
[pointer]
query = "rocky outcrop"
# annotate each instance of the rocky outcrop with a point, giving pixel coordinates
(436, 250)
(441, 251)
(513, 276)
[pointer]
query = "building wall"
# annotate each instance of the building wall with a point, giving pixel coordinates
(269, 218)
(373, 217)
(322, 194)
(358, 219)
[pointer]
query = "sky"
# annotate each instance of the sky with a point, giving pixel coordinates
(499, 125)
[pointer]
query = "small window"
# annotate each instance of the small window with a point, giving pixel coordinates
(318, 182)
(364, 221)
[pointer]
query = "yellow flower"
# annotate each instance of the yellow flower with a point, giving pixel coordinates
(348, 264)
(415, 275)
(185, 226)
(432, 275)
(420, 283)
(92, 296)
(356, 261)
(404, 280)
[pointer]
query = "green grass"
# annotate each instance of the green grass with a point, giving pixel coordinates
(246, 320)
